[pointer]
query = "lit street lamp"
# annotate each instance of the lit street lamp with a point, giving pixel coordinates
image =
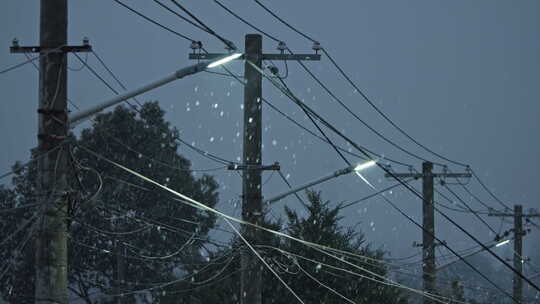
(356, 169)
(190, 70)
(498, 244)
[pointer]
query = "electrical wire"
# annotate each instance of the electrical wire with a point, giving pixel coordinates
(207, 154)
(246, 22)
(373, 194)
(363, 122)
(380, 278)
(464, 231)
(290, 187)
(263, 261)
(103, 80)
(506, 207)
(284, 22)
(298, 101)
(181, 17)
(154, 22)
(273, 107)
(342, 72)
(469, 208)
(120, 83)
(33, 159)
(30, 60)
(227, 43)
(319, 128)
(196, 204)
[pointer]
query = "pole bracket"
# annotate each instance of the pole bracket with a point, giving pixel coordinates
(241, 167)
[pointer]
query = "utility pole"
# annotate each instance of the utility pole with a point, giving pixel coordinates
(51, 236)
(428, 223)
(519, 232)
(252, 200)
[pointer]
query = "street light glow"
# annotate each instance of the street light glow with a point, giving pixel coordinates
(224, 60)
(502, 243)
(365, 165)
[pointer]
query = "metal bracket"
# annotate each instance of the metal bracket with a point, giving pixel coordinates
(84, 48)
(63, 49)
(240, 167)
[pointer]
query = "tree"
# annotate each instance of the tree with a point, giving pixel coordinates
(125, 235)
(304, 269)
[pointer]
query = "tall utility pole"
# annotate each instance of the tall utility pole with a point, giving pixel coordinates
(51, 236)
(251, 279)
(252, 207)
(51, 243)
(428, 223)
(518, 245)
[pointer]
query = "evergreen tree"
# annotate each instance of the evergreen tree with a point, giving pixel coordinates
(301, 266)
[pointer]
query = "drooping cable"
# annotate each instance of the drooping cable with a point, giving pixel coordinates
(469, 208)
(120, 83)
(277, 40)
(227, 42)
(331, 127)
(319, 128)
(30, 60)
(168, 29)
(342, 72)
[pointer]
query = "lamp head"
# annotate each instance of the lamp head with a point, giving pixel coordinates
(365, 165)
(224, 60)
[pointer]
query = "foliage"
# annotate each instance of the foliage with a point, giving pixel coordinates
(124, 235)
(301, 266)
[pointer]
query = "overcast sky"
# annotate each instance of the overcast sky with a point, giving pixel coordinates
(462, 77)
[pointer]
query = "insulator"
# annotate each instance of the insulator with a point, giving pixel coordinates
(195, 45)
(281, 46)
(316, 46)
(230, 46)
(15, 42)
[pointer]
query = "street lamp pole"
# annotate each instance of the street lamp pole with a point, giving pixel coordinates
(498, 244)
(73, 120)
(335, 174)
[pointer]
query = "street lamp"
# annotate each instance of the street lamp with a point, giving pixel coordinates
(356, 169)
(498, 244)
(190, 70)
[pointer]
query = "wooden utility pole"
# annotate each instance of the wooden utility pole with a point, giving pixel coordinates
(428, 223)
(251, 278)
(252, 209)
(518, 246)
(51, 243)
(51, 236)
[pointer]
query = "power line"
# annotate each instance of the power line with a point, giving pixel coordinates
(155, 22)
(469, 208)
(30, 60)
(246, 22)
(489, 191)
(328, 91)
(420, 196)
(181, 17)
(206, 154)
(373, 194)
(296, 100)
(104, 81)
(319, 128)
(113, 75)
(284, 22)
(229, 45)
(372, 129)
(342, 72)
